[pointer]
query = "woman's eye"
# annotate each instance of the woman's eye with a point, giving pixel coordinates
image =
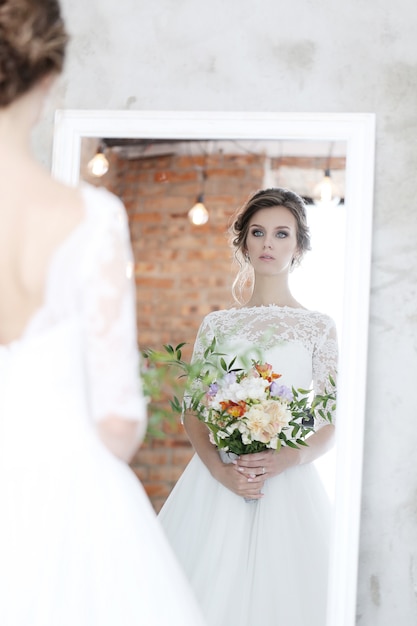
(257, 233)
(281, 234)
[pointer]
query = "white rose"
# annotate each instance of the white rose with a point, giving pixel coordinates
(267, 419)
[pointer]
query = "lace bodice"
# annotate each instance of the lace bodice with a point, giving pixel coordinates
(300, 344)
(89, 298)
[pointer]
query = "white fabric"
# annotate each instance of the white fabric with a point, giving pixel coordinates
(79, 541)
(266, 562)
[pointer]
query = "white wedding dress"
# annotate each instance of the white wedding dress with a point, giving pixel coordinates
(80, 544)
(260, 563)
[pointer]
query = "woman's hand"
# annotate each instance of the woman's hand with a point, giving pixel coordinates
(267, 463)
(270, 463)
(246, 485)
(249, 486)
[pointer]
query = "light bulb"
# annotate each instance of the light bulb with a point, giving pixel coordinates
(326, 189)
(198, 214)
(99, 165)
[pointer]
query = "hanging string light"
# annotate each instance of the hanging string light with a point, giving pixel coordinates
(198, 214)
(325, 192)
(98, 165)
(325, 187)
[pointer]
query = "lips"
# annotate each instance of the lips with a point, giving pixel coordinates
(267, 257)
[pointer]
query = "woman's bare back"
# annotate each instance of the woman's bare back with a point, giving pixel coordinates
(36, 216)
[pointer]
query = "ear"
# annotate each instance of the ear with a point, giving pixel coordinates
(296, 258)
(298, 254)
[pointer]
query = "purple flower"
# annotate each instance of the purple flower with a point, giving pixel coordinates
(212, 390)
(230, 378)
(280, 391)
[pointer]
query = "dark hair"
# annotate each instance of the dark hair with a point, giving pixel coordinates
(266, 198)
(32, 45)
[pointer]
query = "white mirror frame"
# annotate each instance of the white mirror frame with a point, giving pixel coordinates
(358, 131)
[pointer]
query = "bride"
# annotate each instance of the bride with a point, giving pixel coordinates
(262, 562)
(79, 541)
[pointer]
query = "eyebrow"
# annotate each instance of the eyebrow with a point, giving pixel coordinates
(275, 228)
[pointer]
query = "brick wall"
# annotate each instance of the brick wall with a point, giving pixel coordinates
(182, 271)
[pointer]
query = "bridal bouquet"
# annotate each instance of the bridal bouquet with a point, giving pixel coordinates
(246, 409)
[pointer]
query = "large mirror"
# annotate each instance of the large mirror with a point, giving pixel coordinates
(353, 137)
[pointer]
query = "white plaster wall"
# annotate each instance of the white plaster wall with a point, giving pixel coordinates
(303, 55)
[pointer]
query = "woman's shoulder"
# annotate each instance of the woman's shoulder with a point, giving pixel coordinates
(219, 320)
(319, 316)
(320, 326)
(101, 203)
(319, 323)
(222, 315)
(105, 214)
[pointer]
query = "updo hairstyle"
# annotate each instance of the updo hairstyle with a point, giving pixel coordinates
(32, 45)
(265, 198)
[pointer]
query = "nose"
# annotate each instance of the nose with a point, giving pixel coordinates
(267, 245)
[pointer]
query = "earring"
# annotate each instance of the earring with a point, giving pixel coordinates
(247, 257)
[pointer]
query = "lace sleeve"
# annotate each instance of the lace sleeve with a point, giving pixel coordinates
(204, 338)
(325, 362)
(109, 318)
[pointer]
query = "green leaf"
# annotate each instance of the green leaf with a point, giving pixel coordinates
(291, 444)
(295, 430)
(176, 405)
(232, 362)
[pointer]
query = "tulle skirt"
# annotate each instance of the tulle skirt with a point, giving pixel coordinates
(81, 545)
(260, 563)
